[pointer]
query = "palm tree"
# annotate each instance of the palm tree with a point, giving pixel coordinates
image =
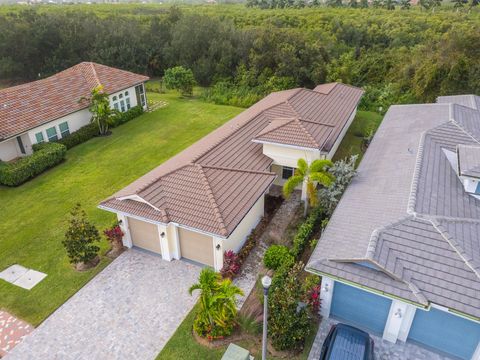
(309, 176)
(217, 304)
(102, 113)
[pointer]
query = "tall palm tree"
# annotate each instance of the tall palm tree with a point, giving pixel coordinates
(309, 176)
(217, 303)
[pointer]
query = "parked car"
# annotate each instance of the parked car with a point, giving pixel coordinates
(346, 342)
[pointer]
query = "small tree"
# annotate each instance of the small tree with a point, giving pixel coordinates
(309, 176)
(343, 171)
(80, 238)
(289, 322)
(102, 114)
(181, 79)
(217, 305)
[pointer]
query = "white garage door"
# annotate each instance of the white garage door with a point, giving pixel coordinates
(195, 246)
(144, 235)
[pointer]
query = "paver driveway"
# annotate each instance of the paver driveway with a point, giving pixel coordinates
(128, 311)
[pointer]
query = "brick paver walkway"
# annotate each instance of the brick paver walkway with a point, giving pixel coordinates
(128, 311)
(12, 332)
(280, 221)
(384, 350)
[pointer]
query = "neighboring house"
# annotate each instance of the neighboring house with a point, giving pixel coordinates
(400, 256)
(207, 199)
(51, 108)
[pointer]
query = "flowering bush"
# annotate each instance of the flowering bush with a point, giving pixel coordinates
(313, 299)
(231, 264)
(114, 235)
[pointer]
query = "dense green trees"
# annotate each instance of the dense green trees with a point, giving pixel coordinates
(400, 56)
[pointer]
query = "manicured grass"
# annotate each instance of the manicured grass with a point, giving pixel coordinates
(183, 346)
(33, 216)
(351, 144)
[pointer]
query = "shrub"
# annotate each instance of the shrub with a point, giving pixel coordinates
(231, 264)
(305, 231)
(289, 324)
(122, 118)
(80, 238)
(276, 256)
(45, 156)
(181, 79)
(80, 136)
(218, 311)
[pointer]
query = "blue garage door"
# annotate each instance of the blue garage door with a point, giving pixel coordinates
(360, 308)
(445, 332)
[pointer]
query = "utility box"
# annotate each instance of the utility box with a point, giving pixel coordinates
(235, 352)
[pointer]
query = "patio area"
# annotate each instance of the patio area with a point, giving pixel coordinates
(384, 350)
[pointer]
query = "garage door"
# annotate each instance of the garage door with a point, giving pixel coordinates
(144, 235)
(445, 332)
(360, 308)
(195, 246)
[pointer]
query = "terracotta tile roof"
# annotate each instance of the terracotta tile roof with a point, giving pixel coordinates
(27, 106)
(212, 185)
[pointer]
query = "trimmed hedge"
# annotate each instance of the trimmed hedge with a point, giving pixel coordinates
(45, 156)
(277, 256)
(122, 118)
(80, 136)
(305, 231)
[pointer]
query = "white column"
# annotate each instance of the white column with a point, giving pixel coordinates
(162, 234)
(127, 239)
(399, 321)
(326, 295)
(217, 253)
(175, 241)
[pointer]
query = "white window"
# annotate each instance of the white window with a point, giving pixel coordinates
(140, 92)
(287, 172)
(122, 102)
(52, 134)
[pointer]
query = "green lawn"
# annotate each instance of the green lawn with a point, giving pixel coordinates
(351, 144)
(33, 216)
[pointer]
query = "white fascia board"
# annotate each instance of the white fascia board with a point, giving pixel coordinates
(286, 145)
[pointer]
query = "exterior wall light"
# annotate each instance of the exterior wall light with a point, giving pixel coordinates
(398, 314)
(162, 235)
(217, 247)
(326, 288)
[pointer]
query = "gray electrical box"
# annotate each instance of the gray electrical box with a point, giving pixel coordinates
(235, 352)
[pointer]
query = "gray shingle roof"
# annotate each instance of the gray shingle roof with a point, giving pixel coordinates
(471, 101)
(407, 213)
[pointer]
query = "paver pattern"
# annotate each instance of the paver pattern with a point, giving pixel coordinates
(12, 332)
(128, 311)
(384, 350)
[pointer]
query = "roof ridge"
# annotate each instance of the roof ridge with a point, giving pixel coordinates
(470, 262)
(95, 74)
(308, 133)
(412, 200)
(211, 198)
(315, 122)
(457, 124)
(287, 121)
(250, 171)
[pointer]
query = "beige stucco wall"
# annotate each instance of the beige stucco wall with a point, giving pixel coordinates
(9, 150)
(75, 121)
(236, 240)
(337, 143)
(288, 156)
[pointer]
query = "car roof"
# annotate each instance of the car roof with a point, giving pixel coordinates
(348, 343)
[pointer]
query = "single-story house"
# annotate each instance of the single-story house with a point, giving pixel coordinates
(400, 256)
(51, 108)
(207, 199)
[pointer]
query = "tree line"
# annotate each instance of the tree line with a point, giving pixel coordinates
(243, 53)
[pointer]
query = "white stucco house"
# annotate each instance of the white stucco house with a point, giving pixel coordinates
(51, 108)
(208, 198)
